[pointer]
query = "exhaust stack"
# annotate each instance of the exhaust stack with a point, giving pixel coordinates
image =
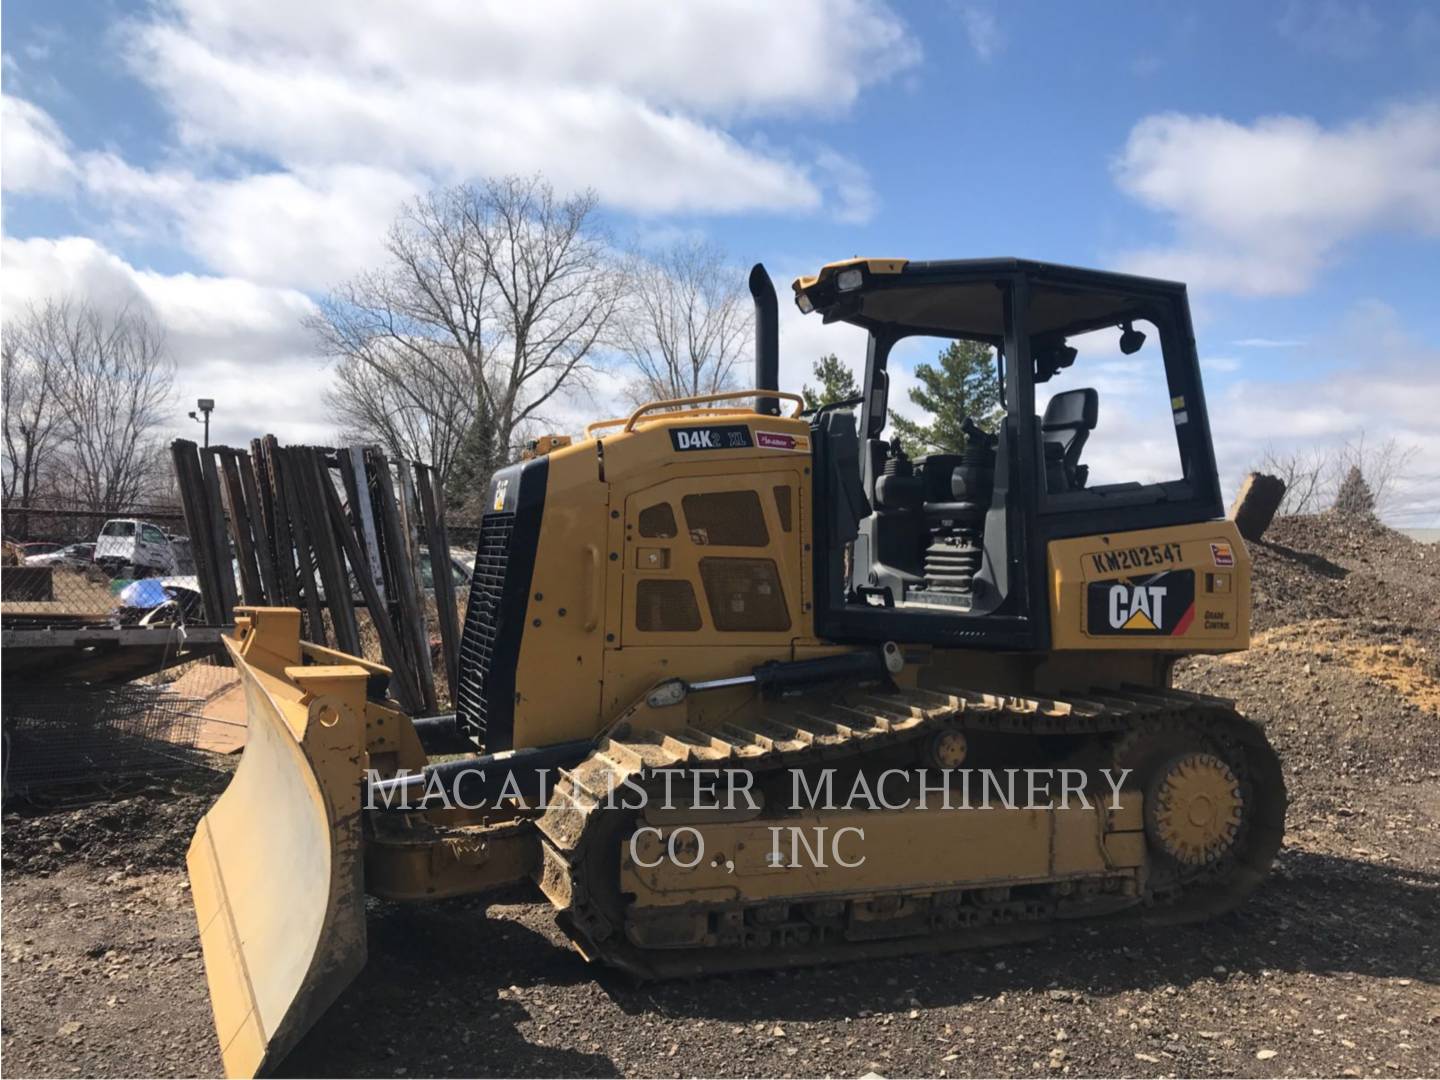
(767, 340)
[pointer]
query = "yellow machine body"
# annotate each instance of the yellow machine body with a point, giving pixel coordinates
(276, 866)
(672, 549)
(591, 646)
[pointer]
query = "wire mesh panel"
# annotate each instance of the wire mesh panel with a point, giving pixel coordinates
(58, 736)
(68, 566)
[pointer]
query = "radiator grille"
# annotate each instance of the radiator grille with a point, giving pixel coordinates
(744, 594)
(482, 620)
(658, 522)
(726, 518)
(666, 605)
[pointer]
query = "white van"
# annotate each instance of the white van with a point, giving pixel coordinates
(129, 542)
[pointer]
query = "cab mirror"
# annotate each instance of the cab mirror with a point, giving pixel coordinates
(1130, 339)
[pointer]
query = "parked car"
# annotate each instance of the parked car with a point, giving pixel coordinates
(460, 570)
(70, 555)
(126, 543)
(39, 547)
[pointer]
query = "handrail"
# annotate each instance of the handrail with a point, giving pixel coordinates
(596, 425)
(718, 410)
(724, 395)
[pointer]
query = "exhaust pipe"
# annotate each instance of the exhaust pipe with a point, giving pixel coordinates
(767, 340)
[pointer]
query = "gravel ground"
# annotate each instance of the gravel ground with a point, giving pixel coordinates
(1332, 969)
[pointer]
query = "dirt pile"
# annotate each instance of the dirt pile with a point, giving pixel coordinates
(1334, 566)
(1344, 664)
(149, 830)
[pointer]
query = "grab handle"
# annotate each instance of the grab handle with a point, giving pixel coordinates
(594, 586)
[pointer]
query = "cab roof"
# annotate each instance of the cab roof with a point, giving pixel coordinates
(956, 296)
(977, 267)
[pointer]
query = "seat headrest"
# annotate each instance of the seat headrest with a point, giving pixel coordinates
(1072, 409)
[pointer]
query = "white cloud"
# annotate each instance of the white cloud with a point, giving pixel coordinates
(1394, 392)
(243, 344)
(1347, 31)
(755, 57)
(310, 228)
(648, 105)
(621, 97)
(36, 154)
(1267, 343)
(982, 30)
(1260, 209)
(1219, 363)
(854, 200)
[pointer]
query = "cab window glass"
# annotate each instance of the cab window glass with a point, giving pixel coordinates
(1112, 414)
(936, 385)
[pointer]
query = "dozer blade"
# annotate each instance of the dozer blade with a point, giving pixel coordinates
(275, 866)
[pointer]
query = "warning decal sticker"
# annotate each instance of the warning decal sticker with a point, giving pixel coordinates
(773, 440)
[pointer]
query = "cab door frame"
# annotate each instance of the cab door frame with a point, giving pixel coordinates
(1022, 623)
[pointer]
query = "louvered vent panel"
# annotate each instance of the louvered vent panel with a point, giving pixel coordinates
(726, 518)
(482, 620)
(658, 522)
(666, 605)
(744, 594)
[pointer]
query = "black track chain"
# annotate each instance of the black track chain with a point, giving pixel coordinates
(579, 831)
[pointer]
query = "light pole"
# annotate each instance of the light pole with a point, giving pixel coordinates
(207, 405)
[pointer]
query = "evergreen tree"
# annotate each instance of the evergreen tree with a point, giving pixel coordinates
(1354, 495)
(837, 383)
(961, 383)
(478, 457)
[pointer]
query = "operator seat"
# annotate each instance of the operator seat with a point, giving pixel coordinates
(850, 506)
(1065, 427)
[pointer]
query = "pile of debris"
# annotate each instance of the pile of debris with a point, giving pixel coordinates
(1344, 664)
(1340, 566)
(149, 830)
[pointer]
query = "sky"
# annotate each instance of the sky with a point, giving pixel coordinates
(222, 164)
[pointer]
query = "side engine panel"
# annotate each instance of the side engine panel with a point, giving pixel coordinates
(1176, 589)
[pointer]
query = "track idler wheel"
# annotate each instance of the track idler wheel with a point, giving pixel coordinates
(1194, 807)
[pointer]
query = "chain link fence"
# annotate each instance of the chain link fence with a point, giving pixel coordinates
(113, 670)
(84, 735)
(65, 565)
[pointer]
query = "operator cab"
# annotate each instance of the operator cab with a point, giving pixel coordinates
(948, 546)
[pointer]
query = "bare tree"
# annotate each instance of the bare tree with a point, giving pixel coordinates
(496, 295)
(91, 389)
(33, 422)
(687, 323)
(404, 407)
(1305, 474)
(1314, 477)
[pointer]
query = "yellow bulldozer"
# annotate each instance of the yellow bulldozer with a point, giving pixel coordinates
(745, 685)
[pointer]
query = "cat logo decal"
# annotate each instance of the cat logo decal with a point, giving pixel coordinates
(1156, 604)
